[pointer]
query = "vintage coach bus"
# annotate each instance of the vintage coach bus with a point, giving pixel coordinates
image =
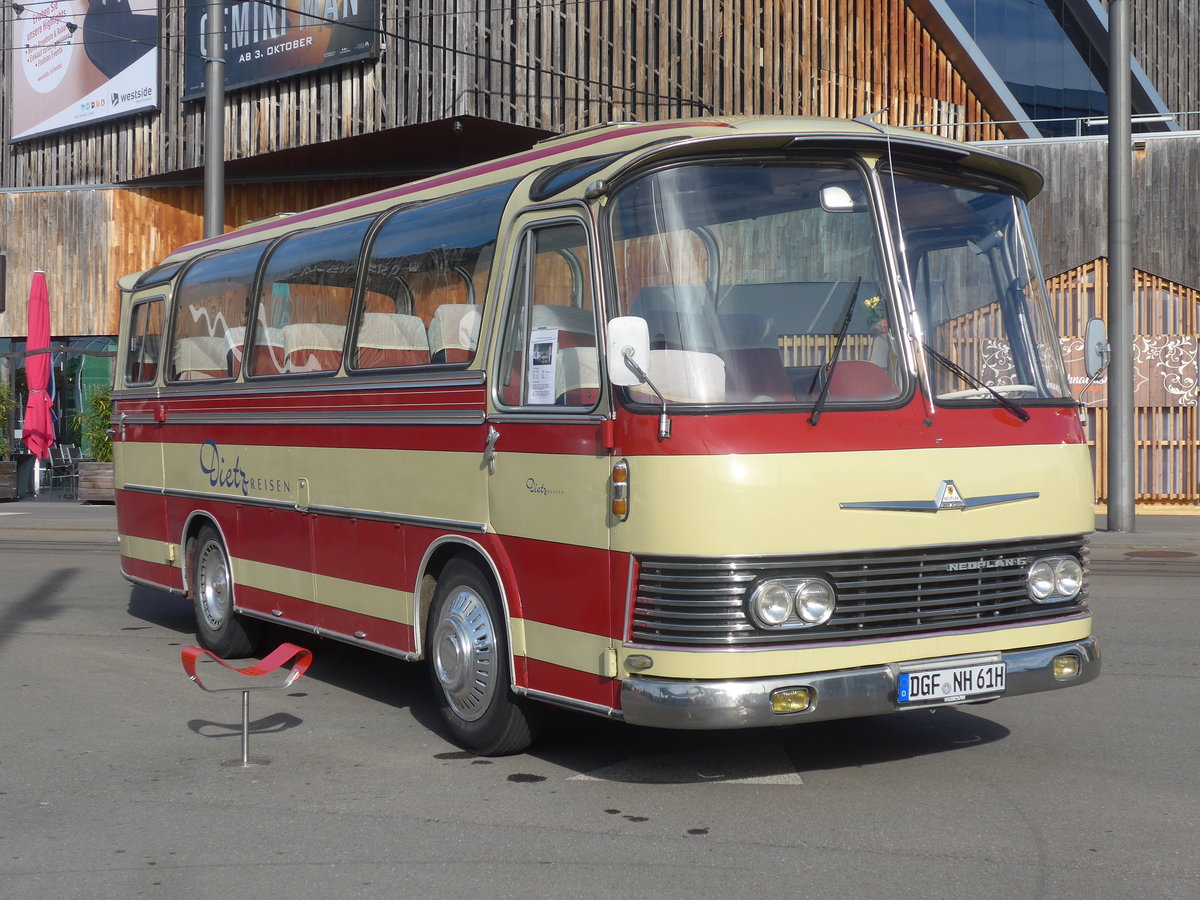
(693, 424)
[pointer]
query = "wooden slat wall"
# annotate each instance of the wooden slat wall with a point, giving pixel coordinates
(1166, 41)
(552, 65)
(86, 239)
(1167, 460)
(1070, 219)
(55, 231)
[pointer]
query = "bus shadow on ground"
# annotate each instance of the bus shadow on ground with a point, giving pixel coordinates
(374, 676)
(160, 608)
(597, 749)
(601, 749)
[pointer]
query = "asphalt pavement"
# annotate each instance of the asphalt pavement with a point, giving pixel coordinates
(112, 783)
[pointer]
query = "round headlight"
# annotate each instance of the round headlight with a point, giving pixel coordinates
(1041, 580)
(771, 604)
(1068, 578)
(814, 602)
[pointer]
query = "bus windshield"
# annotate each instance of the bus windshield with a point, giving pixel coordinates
(753, 277)
(978, 289)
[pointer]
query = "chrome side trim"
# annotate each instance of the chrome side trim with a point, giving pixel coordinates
(746, 703)
(595, 709)
(337, 417)
(932, 506)
(370, 515)
(399, 519)
(142, 582)
(544, 419)
(405, 655)
(284, 384)
(204, 495)
(141, 489)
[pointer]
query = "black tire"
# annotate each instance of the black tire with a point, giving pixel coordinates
(218, 627)
(467, 649)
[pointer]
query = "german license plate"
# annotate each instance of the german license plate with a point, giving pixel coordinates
(953, 684)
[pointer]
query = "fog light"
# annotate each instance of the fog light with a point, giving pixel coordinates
(790, 700)
(1066, 666)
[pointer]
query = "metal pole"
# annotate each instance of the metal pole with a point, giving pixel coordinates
(245, 728)
(1121, 485)
(214, 120)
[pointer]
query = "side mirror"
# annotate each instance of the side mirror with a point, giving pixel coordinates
(1096, 351)
(843, 198)
(628, 350)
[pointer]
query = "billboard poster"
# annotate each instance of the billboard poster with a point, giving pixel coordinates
(267, 41)
(80, 61)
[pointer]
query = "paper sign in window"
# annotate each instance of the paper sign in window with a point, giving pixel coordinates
(543, 358)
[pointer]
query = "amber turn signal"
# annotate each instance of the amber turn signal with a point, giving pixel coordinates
(620, 490)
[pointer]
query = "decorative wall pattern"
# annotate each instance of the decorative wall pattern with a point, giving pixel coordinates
(1166, 421)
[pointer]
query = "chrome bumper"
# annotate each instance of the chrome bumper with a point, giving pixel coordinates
(746, 703)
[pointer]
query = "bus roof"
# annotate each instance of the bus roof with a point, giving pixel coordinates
(639, 142)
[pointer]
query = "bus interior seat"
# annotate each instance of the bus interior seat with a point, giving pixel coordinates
(684, 376)
(235, 337)
(454, 333)
(577, 376)
(800, 307)
(576, 326)
(686, 299)
(853, 379)
(201, 358)
(754, 367)
(391, 339)
(267, 357)
(313, 346)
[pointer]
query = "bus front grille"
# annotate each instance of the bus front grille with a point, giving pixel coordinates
(693, 602)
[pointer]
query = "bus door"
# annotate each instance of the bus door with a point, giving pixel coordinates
(137, 445)
(549, 464)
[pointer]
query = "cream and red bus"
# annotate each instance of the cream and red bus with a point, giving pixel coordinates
(694, 424)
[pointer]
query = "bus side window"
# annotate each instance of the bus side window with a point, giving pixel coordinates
(209, 321)
(427, 274)
(145, 336)
(549, 356)
(304, 303)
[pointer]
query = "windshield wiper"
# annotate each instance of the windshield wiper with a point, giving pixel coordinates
(833, 357)
(955, 369)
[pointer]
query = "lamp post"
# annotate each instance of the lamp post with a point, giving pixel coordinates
(1121, 484)
(214, 120)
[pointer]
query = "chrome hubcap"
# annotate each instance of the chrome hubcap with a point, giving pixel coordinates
(464, 654)
(212, 585)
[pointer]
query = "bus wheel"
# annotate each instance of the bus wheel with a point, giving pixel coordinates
(468, 658)
(218, 627)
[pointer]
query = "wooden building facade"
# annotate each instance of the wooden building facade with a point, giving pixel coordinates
(457, 81)
(1166, 42)
(1070, 220)
(454, 81)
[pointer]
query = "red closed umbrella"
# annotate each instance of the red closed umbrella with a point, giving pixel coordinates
(38, 433)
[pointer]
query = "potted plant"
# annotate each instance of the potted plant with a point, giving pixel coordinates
(8, 467)
(94, 422)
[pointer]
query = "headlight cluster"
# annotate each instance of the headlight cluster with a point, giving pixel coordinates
(1055, 579)
(791, 603)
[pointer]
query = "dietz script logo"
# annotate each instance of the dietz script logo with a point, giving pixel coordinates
(225, 474)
